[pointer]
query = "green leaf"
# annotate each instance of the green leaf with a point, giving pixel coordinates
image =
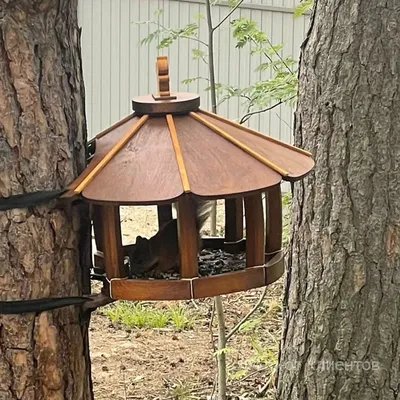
(233, 3)
(218, 87)
(225, 350)
(197, 53)
(277, 64)
(245, 31)
(303, 7)
(189, 80)
(274, 49)
(282, 87)
(166, 42)
(250, 325)
(238, 374)
(171, 35)
(151, 36)
(198, 16)
(143, 22)
(158, 12)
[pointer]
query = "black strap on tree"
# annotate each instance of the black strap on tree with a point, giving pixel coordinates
(30, 199)
(48, 303)
(42, 196)
(39, 305)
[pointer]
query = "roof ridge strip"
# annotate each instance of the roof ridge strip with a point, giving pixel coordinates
(111, 154)
(256, 133)
(240, 145)
(114, 126)
(178, 153)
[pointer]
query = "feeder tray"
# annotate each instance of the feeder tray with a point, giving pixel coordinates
(171, 151)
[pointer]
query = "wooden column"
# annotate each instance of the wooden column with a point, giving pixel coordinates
(233, 220)
(273, 229)
(255, 241)
(188, 238)
(95, 211)
(164, 214)
(97, 226)
(112, 240)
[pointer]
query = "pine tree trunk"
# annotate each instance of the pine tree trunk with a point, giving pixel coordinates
(42, 142)
(342, 302)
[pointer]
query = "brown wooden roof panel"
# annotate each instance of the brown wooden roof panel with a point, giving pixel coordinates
(295, 161)
(151, 160)
(104, 142)
(144, 171)
(216, 167)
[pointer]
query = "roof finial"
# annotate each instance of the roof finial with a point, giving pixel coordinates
(163, 79)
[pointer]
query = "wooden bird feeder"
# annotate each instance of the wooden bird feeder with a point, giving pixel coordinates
(169, 151)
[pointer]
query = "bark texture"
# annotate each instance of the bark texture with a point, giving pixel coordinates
(342, 303)
(42, 135)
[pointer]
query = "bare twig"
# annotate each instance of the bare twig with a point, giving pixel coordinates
(250, 375)
(248, 315)
(282, 120)
(267, 385)
(214, 386)
(123, 374)
(194, 304)
(169, 30)
(227, 16)
(265, 54)
(247, 116)
(195, 39)
(210, 326)
(279, 56)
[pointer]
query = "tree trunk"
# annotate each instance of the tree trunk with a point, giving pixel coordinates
(342, 303)
(42, 142)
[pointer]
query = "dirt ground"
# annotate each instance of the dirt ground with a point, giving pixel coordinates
(167, 363)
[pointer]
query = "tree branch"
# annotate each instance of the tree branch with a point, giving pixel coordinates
(228, 15)
(169, 30)
(248, 315)
(279, 56)
(193, 38)
(265, 54)
(247, 116)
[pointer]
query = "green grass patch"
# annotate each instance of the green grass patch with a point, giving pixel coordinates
(139, 315)
(181, 390)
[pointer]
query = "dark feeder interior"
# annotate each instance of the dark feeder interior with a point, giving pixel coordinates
(170, 151)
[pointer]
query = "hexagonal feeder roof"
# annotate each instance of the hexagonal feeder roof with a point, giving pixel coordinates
(169, 147)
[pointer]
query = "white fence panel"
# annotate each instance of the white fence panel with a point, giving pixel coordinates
(116, 67)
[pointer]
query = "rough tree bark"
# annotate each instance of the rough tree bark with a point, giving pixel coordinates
(42, 135)
(342, 303)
